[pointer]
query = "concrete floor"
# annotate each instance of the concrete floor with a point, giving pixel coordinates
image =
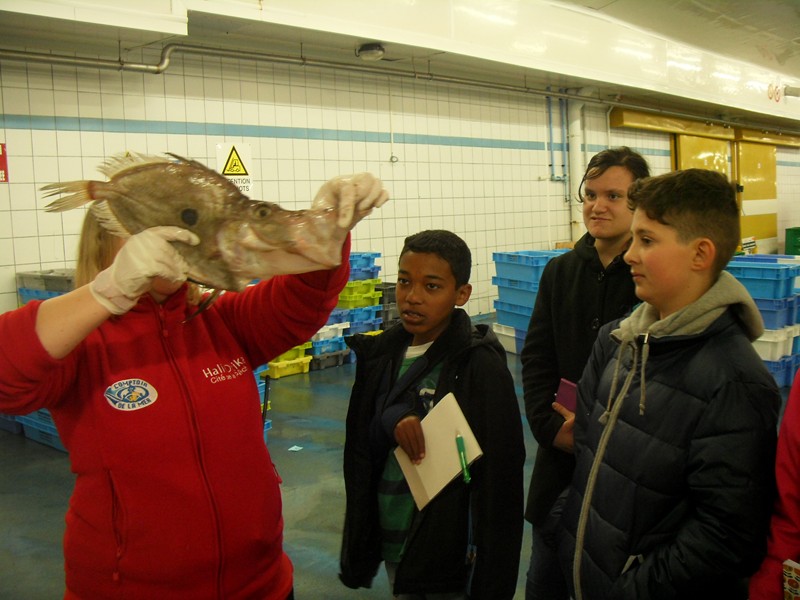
(308, 411)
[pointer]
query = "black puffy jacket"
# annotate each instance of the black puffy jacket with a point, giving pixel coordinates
(474, 369)
(674, 478)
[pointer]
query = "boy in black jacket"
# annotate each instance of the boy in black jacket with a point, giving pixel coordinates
(675, 427)
(466, 542)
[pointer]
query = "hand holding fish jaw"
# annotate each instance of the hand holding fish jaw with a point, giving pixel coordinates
(144, 257)
(352, 197)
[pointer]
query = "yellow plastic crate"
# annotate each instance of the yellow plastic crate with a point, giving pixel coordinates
(278, 369)
(359, 300)
(360, 286)
(295, 352)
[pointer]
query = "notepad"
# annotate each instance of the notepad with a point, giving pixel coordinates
(441, 463)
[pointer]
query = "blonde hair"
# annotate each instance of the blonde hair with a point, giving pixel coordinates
(96, 251)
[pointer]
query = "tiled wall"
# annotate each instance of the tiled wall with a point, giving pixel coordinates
(788, 192)
(477, 162)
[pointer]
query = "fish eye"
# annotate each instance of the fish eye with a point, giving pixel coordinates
(263, 211)
(189, 216)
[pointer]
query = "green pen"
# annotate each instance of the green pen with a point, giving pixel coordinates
(462, 455)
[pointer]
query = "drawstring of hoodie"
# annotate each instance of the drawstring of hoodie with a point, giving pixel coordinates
(645, 337)
(608, 419)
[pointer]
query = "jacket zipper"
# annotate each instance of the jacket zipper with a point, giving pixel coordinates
(198, 449)
(117, 525)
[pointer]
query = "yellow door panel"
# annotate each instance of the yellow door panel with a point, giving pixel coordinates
(757, 165)
(702, 153)
(760, 226)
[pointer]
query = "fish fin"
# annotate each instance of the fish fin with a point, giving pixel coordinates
(119, 162)
(79, 194)
(108, 220)
(224, 181)
(188, 161)
(207, 301)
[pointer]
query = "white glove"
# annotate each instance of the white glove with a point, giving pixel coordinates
(144, 256)
(352, 197)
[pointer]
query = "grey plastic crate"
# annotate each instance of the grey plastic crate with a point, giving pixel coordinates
(52, 280)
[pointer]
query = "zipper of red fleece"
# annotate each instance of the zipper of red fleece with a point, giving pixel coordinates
(196, 437)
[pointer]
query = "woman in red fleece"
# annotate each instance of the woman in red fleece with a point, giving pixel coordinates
(175, 492)
(784, 529)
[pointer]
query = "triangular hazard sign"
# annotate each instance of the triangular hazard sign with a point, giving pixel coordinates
(234, 164)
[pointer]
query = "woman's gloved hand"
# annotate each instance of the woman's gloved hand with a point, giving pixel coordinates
(352, 197)
(143, 257)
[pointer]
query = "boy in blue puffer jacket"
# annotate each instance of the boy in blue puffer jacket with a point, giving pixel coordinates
(676, 422)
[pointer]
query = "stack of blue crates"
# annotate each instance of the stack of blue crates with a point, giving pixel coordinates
(358, 311)
(39, 427)
(517, 281)
(772, 280)
(39, 285)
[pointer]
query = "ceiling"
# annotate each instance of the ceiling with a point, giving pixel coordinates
(763, 32)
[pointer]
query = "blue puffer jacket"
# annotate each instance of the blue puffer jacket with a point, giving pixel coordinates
(675, 447)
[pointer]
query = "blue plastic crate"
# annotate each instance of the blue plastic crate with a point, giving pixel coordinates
(41, 432)
(525, 265)
(789, 259)
(364, 326)
(360, 260)
(522, 293)
(339, 315)
(765, 280)
(782, 370)
(335, 344)
(797, 308)
(364, 313)
(777, 313)
(27, 294)
(513, 315)
(364, 273)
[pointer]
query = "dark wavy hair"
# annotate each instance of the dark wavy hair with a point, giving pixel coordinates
(614, 157)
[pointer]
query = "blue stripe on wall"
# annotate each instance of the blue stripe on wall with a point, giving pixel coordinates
(263, 131)
(595, 148)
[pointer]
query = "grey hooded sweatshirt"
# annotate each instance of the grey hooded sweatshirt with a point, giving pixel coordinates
(675, 445)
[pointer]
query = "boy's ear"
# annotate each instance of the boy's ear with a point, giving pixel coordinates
(463, 293)
(705, 253)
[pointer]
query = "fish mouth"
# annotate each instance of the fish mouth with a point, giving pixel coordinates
(326, 254)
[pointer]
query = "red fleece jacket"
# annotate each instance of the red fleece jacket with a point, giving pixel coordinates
(784, 531)
(175, 493)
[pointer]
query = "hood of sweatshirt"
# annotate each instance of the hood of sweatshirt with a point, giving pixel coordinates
(642, 326)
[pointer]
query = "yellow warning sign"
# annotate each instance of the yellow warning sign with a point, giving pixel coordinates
(234, 164)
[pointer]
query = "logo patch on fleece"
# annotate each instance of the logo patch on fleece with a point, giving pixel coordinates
(130, 394)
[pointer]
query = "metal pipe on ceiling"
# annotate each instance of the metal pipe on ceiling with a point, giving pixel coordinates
(170, 49)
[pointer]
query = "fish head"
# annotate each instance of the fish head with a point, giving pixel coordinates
(268, 240)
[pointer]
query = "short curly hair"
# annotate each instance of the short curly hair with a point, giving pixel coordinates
(448, 246)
